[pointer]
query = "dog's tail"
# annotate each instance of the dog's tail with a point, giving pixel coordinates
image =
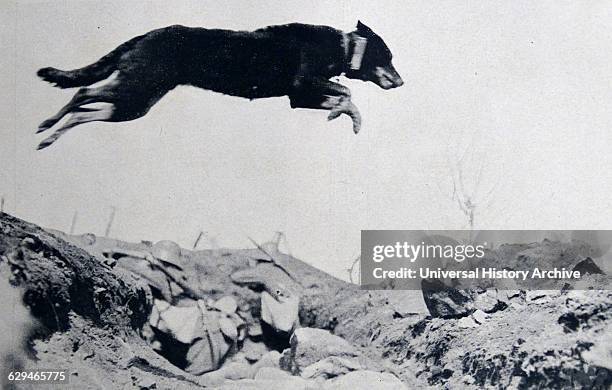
(89, 74)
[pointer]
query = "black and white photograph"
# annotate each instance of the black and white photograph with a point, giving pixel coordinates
(305, 195)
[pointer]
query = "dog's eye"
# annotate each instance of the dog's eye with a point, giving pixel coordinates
(388, 54)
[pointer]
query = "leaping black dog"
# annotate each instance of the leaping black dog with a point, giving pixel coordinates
(294, 60)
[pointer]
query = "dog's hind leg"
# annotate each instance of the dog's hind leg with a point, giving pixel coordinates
(83, 96)
(79, 116)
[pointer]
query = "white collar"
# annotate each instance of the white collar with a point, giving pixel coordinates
(358, 50)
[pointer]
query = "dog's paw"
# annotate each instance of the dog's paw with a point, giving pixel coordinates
(356, 117)
(47, 142)
(44, 144)
(46, 73)
(46, 125)
(335, 113)
(345, 106)
(356, 126)
(338, 106)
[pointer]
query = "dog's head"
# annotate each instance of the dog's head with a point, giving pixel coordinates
(371, 59)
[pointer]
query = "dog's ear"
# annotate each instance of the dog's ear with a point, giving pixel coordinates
(363, 29)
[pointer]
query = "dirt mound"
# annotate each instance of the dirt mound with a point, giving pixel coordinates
(59, 278)
(91, 317)
(541, 340)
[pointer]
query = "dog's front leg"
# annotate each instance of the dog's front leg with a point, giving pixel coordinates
(344, 105)
(326, 95)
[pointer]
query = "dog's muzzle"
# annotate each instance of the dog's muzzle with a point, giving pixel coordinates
(387, 77)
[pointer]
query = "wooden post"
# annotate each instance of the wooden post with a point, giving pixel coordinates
(352, 268)
(73, 223)
(197, 241)
(110, 222)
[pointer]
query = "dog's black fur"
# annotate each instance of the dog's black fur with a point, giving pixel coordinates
(294, 60)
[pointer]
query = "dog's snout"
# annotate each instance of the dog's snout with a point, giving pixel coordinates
(394, 77)
(387, 77)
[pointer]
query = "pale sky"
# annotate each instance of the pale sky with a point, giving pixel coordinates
(524, 86)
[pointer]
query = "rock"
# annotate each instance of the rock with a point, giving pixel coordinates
(254, 330)
(253, 351)
(236, 371)
(402, 303)
(569, 321)
(272, 373)
(88, 239)
(239, 321)
(280, 315)
(584, 311)
(365, 380)
(292, 382)
(486, 301)
(29, 243)
(468, 379)
(479, 316)
(515, 382)
(228, 328)
(588, 266)
(541, 296)
(446, 302)
(184, 323)
(146, 384)
(309, 345)
(226, 305)
(600, 354)
(510, 294)
(244, 384)
(240, 325)
(330, 367)
(467, 322)
(270, 359)
(238, 357)
(242, 333)
(213, 379)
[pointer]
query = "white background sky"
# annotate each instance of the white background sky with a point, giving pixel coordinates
(524, 85)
